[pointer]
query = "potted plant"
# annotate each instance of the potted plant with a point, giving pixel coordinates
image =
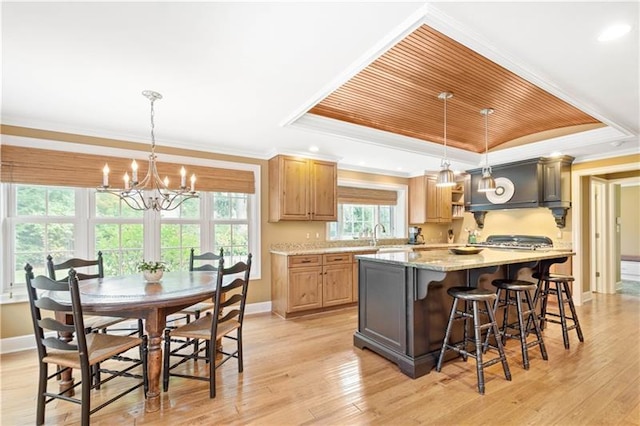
(152, 271)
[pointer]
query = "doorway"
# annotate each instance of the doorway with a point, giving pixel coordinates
(581, 225)
(598, 234)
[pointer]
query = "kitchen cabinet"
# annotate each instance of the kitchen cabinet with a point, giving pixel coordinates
(310, 283)
(537, 182)
(428, 203)
(457, 202)
(337, 283)
(305, 288)
(302, 189)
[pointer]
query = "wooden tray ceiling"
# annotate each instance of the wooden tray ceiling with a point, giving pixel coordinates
(398, 93)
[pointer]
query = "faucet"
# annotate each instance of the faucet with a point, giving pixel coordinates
(374, 241)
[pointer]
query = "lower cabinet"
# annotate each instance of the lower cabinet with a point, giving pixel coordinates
(301, 283)
(337, 282)
(305, 288)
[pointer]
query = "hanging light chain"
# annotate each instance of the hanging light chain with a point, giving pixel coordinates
(486, 112)
(444, 96)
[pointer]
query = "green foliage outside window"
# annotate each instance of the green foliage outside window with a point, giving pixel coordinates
(46, 224)
(357, 221)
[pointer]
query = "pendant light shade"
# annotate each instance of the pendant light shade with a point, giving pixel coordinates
(487, 183)
(445, 176)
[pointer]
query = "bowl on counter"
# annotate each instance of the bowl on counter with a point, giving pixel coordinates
(465, 250)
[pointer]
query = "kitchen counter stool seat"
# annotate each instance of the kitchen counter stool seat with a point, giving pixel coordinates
(518, 293)
(558, 284)
(472, 298)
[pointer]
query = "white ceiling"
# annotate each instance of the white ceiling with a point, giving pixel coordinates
(237, 78)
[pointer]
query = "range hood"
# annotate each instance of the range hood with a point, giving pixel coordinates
(538, 182)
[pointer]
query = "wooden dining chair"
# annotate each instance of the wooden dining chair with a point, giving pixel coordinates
(83, 353)
(196, 310)
(93, 323)
(224, 322)
(211, 264)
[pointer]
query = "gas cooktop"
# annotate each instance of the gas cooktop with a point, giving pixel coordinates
(517, 242)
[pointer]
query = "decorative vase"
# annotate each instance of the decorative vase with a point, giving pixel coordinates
(153, 277)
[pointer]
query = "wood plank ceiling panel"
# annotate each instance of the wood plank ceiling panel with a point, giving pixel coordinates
(398, 93)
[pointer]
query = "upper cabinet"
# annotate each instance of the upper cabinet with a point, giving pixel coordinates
(428, 203)
(302, 189)
(537, 182)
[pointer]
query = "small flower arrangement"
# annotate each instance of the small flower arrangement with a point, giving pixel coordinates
(152, 266)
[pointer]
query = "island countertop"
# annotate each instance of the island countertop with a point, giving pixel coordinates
(444, 260)
(303, 250)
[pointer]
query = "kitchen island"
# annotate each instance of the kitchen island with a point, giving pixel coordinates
(403, 305)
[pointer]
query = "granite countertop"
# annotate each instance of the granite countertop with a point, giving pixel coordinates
(406, 248)
(443, 260)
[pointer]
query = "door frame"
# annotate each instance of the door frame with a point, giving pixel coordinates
(580, 248)
(598, 199)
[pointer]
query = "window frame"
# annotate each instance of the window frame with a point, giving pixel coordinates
(400, 215)
(85, 208)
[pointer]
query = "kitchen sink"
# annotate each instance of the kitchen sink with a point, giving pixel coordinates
(394, 249)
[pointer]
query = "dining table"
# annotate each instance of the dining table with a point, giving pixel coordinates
(130, 296)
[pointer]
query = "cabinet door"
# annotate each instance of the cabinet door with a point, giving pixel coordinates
(417, 200)
(324, 188)
(433, 210)
(305, 288)
(444, 203)
(294, 184)
(551, 182)
(336, 285)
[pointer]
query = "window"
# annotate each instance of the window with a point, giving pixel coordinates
(230, 225)
(179, 232)
(362, 205)
(358, 220)
(78, 222)
(45, 222)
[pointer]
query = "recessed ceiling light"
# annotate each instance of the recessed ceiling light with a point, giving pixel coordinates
(555, 154)
(613, 32)
(314, 148)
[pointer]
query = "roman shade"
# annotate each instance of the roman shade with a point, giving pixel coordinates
(352, 195)
(61, 168)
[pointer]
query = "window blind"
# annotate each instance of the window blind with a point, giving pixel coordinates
(352, 195)
(60, 168)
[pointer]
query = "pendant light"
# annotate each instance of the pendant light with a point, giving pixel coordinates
(487, 183)
(445, 176)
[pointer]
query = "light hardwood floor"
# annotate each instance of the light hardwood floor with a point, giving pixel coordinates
(307, 371)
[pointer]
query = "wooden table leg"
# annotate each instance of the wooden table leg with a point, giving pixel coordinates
(65, 379)
(154, 325)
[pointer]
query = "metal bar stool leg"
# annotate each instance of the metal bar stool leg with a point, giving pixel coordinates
(478, 343)
(563, 317)
(447, 334)
(499, 345)
(567, 291)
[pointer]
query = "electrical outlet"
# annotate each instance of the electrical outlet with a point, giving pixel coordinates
(560, 234)
(317, 235)
(307, 235)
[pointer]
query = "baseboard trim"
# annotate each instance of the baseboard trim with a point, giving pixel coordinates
(23, 343)
(586, 297)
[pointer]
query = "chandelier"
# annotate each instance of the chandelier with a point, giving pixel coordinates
(151, 193)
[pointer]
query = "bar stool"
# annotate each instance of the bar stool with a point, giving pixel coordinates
(558, 284)
(471, 298)
(516, 292)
